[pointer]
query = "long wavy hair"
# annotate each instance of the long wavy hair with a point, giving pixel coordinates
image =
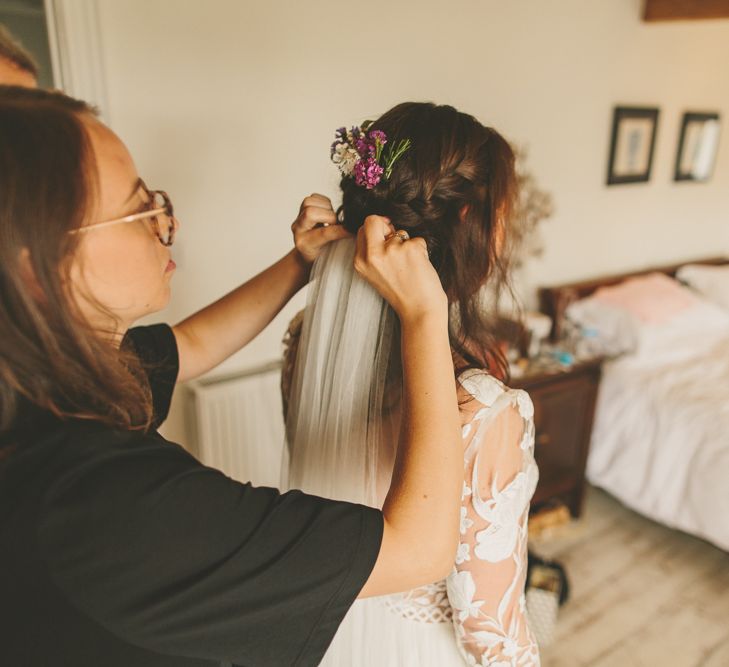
(49, 354)
(456, 187)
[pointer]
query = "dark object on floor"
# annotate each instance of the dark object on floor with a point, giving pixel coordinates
(548, 575)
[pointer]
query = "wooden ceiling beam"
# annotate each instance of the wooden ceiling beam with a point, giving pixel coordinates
(682, 10)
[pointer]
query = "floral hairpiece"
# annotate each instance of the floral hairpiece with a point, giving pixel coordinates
(361, 152)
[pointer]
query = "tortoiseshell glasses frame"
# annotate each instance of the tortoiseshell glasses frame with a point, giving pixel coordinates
(161, 214)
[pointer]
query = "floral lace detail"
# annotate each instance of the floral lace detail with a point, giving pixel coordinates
(486, 587)
(426, 604)
(485, 591)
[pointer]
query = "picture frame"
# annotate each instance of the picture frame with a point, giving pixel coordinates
(632, 144)
(698, 146)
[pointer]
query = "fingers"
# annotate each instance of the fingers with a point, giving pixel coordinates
(370, 241)
(332, 233)
(315, 210)
(311, 216)
(421, 244)
(378, 234)
(316, 200)
(399, 269)
(414, 247)
(375, 230)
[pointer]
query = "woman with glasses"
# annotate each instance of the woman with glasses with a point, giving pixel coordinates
(119, 548)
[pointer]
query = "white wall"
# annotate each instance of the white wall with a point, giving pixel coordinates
(231, 106)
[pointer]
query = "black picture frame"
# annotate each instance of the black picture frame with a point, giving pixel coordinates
(632, 144)
(698, 145)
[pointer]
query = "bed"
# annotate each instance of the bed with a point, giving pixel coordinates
(660, 440)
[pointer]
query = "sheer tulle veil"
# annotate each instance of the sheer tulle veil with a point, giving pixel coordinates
(339, 423)
(343, 418)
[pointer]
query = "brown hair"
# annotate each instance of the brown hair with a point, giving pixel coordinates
(10, 49)
(49, 354)
(456, 188)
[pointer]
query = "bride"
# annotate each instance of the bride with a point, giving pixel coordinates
(439, 174)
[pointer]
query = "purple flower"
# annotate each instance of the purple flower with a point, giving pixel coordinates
(367, 143)
(368, 173)
(358, 152)
(378, 136)
(362, 146)
(340, 138)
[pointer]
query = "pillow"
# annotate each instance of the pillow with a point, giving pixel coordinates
(649, 315)
(654, 298)
(613, 330)
(690, 333)
(642, 313)
(711, 282)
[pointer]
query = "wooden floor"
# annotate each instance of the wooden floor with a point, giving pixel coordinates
(641, 594)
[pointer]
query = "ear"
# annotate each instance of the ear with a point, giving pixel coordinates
(463, 212)
(28, 275)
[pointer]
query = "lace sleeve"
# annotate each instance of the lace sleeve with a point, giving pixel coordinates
(486, 587)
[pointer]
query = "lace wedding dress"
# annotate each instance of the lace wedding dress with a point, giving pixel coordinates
(477, 615)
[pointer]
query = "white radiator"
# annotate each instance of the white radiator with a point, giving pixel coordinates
(236, 424)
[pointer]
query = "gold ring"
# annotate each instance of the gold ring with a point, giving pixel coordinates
(400, 234)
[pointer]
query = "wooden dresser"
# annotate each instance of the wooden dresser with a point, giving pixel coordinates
(564, 406)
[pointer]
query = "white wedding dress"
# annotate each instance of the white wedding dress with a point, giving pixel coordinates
(477, 615)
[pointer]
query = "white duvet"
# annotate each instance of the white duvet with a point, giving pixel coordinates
(660, 442)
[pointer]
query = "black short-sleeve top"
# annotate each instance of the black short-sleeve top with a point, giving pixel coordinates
(121, 549)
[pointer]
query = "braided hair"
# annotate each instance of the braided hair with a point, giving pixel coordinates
(455, 187)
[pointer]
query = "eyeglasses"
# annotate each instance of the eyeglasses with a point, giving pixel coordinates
(159, 211)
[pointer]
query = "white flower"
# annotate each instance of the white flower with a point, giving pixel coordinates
(483, 387)
(487, 639)
(503, 511)
(527, 439)
(510, 647)
(345, 157)
(490, 640)
(461, 589)
(524, 401)
(463, 554)
(466, 523)
(496, 543)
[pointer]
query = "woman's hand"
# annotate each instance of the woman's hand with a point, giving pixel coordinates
(399, 270)
(309, 238)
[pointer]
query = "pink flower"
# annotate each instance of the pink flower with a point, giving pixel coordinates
(368, 173)
(378, 136)
(358, 152)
